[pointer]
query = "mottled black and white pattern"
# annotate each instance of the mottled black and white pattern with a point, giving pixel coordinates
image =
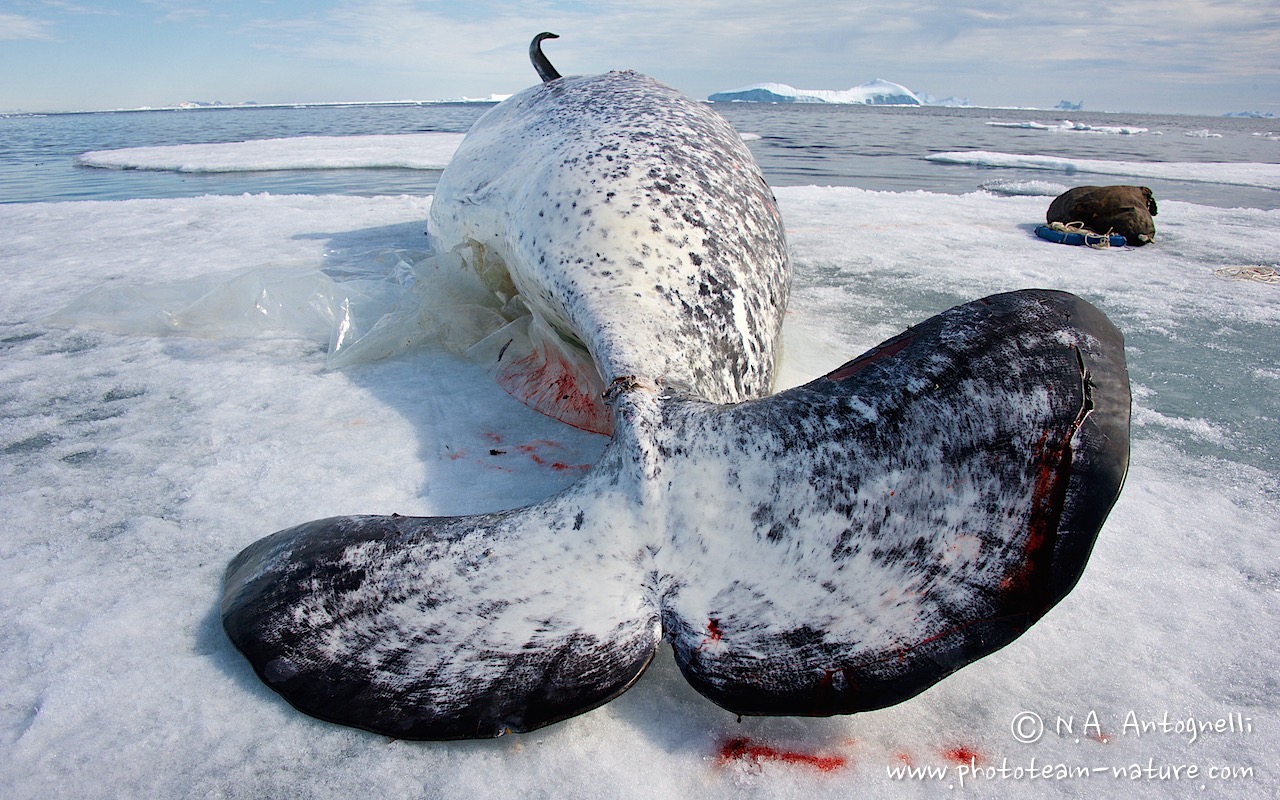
(633, 219)
(837, 547)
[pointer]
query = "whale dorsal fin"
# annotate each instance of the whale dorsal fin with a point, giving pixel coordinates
(547, 72)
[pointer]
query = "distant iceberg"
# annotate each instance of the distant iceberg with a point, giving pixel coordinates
(877, 92)
(951, 101)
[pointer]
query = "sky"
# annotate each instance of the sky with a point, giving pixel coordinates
(1177, 56)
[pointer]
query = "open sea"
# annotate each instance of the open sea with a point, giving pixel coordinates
(871, 147)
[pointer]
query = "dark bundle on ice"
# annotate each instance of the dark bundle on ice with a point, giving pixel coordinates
(1126, 210)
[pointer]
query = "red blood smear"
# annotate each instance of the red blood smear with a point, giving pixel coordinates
(713, 635)
(961, 755)
(549, 384)
(536, 443)
(743, 749)
(887, 350)
(713, 630)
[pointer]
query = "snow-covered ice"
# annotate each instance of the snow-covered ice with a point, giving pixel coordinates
(1266, 176)
(371, 151)
(135, 466)
(1068, 125)
(404, 150)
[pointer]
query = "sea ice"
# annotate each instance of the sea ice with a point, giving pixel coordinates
(405, 150)
(135, 466)
(1266, 176)
(1068, 125)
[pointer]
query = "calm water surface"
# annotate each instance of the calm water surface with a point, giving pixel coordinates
(866, 146)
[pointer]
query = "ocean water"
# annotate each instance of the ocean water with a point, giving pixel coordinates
(870, 147)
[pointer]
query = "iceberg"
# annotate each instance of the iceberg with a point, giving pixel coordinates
(950, 101)
(878, 92)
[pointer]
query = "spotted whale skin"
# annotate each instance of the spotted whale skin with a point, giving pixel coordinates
(833, 548)
(634, 221)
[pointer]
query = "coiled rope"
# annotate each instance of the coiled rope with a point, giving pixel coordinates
(1258, 274)
(1098, 241)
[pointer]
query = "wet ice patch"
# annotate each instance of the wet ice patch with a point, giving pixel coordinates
(1023, 188)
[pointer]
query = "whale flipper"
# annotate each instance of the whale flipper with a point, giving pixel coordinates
(837, 547)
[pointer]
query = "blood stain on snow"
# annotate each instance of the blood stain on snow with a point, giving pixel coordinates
(743, 749)
(962, 755)
(532, 451)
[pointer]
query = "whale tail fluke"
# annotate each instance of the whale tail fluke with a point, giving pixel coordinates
(435, 627)
(924, 505)
(837, 547)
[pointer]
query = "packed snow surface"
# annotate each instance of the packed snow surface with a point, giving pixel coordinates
(135, 465)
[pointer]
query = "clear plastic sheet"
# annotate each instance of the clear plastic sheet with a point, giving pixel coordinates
(369, 307)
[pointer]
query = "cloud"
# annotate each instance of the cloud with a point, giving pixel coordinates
(1015, 49)
(180, 11)
(76, 8)
(702, 34)
(16, 28)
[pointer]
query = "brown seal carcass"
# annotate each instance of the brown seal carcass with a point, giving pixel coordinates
(1126, 210)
